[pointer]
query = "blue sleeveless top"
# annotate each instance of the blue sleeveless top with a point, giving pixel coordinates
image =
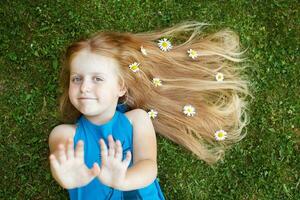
(120, 128)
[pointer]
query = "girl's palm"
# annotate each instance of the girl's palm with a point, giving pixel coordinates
(70, 170)
(113, 169)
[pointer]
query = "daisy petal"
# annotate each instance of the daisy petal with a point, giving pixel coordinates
(219, 77)
(192, 53)
(156, 82)
(134, 66)
(220, 135)
(152, 113)
(143, 50)
(189, 110)
(164, 44)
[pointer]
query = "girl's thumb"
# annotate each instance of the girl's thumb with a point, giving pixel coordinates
(96, 169)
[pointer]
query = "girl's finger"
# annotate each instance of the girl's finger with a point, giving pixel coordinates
(119, 151)
(126, 161)
(103, 151)
(53, 162)
(70, 149)
(95, 171)
(79, 152)
(61, 154)
(111, 143)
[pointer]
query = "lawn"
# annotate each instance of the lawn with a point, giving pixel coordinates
(34, 34)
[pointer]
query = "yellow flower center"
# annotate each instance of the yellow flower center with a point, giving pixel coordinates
(220, 134)
(164, 44)
(152, 114)
(134, 67)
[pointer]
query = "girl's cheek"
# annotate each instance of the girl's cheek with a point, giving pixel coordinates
(72, 91)
(73, 87)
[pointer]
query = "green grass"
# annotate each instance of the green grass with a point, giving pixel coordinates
(265, 165)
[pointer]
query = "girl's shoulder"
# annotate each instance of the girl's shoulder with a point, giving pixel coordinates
(134, 114)
(131, 114)
(60, 134)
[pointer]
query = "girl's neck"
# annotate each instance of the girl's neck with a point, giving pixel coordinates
(102, 118)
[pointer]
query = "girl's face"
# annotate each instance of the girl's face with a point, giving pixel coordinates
(94, 88)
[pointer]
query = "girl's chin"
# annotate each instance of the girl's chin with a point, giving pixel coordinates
(88, 111)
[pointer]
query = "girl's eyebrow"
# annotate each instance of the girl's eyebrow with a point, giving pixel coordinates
(95, 73)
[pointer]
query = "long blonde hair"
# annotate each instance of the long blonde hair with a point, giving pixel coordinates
(219, 105)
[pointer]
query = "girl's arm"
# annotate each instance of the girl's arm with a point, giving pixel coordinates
(60, 135)
(144, 169)
(68, 167)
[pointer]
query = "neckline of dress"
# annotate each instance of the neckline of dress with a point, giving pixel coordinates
(102, 125)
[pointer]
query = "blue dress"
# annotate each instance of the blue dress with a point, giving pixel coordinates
(120, 128)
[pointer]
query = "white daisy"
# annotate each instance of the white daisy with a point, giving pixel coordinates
(134, 67)
(219, 77)
(164, 44)
(189, 110)
(143, 50)
(220, 135)
(152, 113)
(192, 53)
(156, 82)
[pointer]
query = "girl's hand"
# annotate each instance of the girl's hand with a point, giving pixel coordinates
(68, 169)
(113, 169)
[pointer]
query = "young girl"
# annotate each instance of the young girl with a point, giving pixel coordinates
(117, 88)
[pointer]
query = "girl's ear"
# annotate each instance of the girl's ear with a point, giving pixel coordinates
(122, 91)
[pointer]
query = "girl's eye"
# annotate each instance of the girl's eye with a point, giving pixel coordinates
(76, 79)
(98, 79)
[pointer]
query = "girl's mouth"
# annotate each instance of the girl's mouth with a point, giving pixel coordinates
(87, 98)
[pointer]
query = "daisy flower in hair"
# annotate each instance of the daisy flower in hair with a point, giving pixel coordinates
(192, 53)
(189, 110)
(152, 113)
(143, 50)
(220, 135)
(219, 77)
(134, 66)
(164, 44)
(156, 82)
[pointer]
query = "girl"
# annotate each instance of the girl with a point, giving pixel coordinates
(118, 87)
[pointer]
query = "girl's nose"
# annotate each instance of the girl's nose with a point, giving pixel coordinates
(85, 86)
